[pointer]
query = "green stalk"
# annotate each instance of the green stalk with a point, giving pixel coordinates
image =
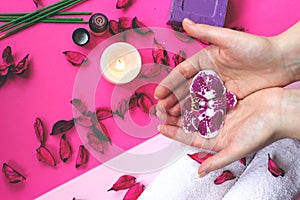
(63, 3)
(50, 19)
(59, 13)
(30, 14)
(37, 19)
(53, 20)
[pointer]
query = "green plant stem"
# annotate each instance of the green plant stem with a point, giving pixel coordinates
(31, 14)
(59, 13)
(64, 4)
(54, 20)
(38, 19)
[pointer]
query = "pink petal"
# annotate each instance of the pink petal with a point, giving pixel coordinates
(103, 113)
(123, 4)
(95, 143)
(124, 182)
(44, 155)
(75, 58)
(273, 168)
(65, 149)
(12, 175)
(225, 176)
(62, 126)
(200, 156)
(40, 131)
(159, 54)
(139, 27)
(134, 192)
(82, 156)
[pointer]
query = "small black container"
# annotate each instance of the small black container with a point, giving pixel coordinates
(98, 24)
(81, 36)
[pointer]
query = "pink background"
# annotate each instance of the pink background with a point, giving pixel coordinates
(47, 88)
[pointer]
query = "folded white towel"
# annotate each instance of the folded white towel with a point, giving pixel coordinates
(180, 181)
(257, 183)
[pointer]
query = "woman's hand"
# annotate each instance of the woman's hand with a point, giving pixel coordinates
(246, 63)
(254, 123)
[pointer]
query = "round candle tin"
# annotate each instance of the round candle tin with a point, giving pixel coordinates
(81, 36)
(98, 24)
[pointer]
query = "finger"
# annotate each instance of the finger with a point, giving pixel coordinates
(177, 133)
(176, 96)
(179, 75)
(220, 160)
(215, 35)
(177, 110)
(169, 119)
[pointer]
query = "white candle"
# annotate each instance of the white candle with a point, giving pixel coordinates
(120, 63)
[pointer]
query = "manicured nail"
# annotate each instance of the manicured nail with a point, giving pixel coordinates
(155, 97)
(202, 174)
(159, 127)
(188, 21)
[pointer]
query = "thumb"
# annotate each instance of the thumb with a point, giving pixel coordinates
(215, 35)
(219, 160)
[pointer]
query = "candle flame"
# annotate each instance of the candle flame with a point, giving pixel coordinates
(120, 65)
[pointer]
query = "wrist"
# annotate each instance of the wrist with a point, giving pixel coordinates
(290, 114)
(288, 46)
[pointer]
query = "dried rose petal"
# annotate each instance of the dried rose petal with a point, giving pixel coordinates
(40, 131)
(123, 4)
(225, 176)
(12, 175)
(65, 149)
(159, 54)
(75, 58)
(103, 113)
(44, 155)
(82, 156)
(146, 104)
(81, 107)
(122, 108)
(125, 23)
(243, 161)
(22, 66)
(84, 121)
(183, 37)
(8, 60)
(133, 101)
(36, 2)
(177, 27)
(200, 156)
(134, 192)
(139, 27)
(62, 126)
(95, 143)
(179, 58)
(167, 68)
(238, 28)
(123, 183)
(150, 71)
(273, 168)
(101, 132)
(4, 70)
(114, 27)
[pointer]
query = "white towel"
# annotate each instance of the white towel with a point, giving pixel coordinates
(257, 183)
(180, 181)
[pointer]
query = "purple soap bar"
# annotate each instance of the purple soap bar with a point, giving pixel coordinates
(211, 12)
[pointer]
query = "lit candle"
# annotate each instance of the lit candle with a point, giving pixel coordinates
(120, 63)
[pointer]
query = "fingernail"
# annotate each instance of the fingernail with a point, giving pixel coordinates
(202, 174)
(159, 127)
(155, 97)
(188, 21)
